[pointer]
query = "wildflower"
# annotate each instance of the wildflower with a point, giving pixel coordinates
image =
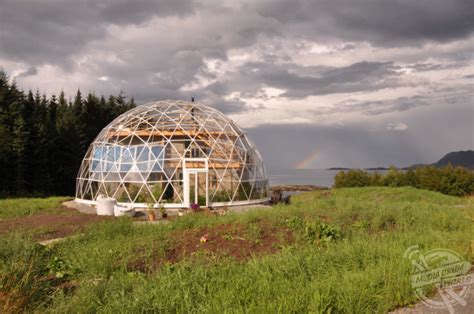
(204, 238)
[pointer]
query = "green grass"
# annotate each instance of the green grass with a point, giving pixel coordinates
(17, 207)
(347, 257)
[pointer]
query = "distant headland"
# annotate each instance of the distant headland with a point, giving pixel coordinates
(463, 158)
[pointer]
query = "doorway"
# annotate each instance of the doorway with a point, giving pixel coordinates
(195, 181)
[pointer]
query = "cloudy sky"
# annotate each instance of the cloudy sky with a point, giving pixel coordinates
(315, 83)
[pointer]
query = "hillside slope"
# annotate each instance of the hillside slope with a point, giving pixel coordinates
(327, 251)
(460, 158)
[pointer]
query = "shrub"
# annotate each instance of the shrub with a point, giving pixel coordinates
(352, 178)
(448, 180)
(322, 232)
(394, 178)
(314, 231)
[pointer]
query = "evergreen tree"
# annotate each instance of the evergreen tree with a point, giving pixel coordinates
(32, 123)
(43, 141)
(13, 133)
(4, 133)
(91, 119)
(41, 177)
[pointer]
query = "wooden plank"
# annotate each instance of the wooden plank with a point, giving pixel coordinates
(167, 133)
(216, 165)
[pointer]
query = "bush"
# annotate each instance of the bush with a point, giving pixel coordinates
(322, 232)
(352, 178)
(448, 180)
(314, 231)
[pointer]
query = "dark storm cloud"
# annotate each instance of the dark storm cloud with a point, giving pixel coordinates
(297, 81)
(463, 95)
(27, 72)
(160, 49)
(453, 63)
(51, 31)
(388, 23)
(139, 11)
(38, 32)
(373, 108)
(302, 81)
(58, 32)
(362, 145)
(350, 145)
(422, 67)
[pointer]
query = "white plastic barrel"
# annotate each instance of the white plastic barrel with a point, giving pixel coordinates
(105, 205)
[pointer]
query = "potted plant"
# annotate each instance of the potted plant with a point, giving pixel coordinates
(151, 211)
(163, 212)
(195, 207)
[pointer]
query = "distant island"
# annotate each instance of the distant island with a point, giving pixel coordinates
(463, 158)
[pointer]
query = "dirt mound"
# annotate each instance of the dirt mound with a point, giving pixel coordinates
(238, 241)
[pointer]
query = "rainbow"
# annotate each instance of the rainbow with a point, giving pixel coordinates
(305, 162)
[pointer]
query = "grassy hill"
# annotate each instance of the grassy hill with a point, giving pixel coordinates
(339, 250)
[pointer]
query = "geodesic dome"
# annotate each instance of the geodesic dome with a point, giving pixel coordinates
(173, 153)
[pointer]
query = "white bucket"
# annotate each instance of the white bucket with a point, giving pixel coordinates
(105, 206)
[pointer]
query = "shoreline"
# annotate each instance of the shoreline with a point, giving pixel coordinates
(297, 187)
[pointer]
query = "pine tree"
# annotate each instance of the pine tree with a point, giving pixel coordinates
(5, 135)
(70, 155)
(77, 110)
(12, 151)
(20, 137)
(91, 118)
(32, 125)
(43, 141)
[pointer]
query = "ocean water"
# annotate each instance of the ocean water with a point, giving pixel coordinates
(320, 177)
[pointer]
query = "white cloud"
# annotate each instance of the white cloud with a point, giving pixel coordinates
(399, 126)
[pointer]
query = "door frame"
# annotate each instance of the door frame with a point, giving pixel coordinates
(186, 182)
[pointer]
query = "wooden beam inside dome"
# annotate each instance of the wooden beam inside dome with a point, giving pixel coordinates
(167, 133)
(212, 164)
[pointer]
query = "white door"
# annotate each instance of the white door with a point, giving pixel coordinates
(195, 181)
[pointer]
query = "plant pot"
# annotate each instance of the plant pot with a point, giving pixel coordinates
(151, 216)
(165, 215)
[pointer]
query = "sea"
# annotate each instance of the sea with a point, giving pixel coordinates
(320, 177)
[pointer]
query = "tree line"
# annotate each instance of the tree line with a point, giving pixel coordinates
(43, 139)
(448, 180)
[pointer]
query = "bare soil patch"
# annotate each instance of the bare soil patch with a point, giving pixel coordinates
(237, 241)
(51, 225)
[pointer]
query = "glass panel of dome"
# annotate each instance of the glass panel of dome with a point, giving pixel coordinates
(96, 158)
(126, 160)
(142, 153)
(157, 151)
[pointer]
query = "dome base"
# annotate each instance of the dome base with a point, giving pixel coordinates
(181, 206)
